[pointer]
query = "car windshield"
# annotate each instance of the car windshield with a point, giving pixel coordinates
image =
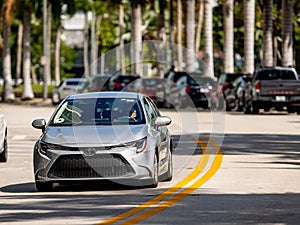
(99, 111)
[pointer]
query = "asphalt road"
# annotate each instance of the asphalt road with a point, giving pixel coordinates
(230, 168)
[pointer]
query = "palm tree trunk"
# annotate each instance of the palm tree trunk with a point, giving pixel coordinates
(48, 57)
(57, 56)
(267, 33)
(27, 91)
(199, 25)
(287, 32)
(7, 94)
(121, 27)
(86, 48)
(161, 36)
(179, 33)
(19, 53)
(93, 45)
(98, 24)
(228, 36)
(136, 19)
(190, 35)
(275, 50)
(249, 19)
(208, 38)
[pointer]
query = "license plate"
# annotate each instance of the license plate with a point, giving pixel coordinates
(280, 98)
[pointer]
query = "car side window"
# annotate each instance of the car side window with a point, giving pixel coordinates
(150, 111)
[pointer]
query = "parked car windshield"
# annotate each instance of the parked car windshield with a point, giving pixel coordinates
(100, 111)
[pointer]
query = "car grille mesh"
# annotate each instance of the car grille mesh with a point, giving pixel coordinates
(99, 165)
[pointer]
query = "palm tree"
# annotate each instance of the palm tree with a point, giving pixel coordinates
(287, 32)
(190, 35)
(228, 36)
(179, 32)
(199, 25)
(7, 94)
(27, 90)
(136, 23)
(249, 19)
(57, 12)
(48, 58)
(19, 53)
(121, 31)
(85, 6)
(267, 33)
(161, 36)
(208, 38)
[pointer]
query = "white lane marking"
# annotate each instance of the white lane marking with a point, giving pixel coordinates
(18, 137)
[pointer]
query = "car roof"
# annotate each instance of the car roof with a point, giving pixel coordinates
(277, 68)
(107, 94)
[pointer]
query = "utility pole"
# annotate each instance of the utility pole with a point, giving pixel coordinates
(44, 58)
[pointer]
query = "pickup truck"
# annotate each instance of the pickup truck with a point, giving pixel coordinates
(273, 87)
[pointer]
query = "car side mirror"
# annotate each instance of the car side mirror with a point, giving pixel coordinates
(163, 121)
(39, 124)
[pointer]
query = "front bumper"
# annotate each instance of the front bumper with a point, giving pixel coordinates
(119, 165)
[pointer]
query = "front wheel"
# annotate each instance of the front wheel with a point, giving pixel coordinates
(168, 176)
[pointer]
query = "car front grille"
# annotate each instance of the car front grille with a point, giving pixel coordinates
(99, 165)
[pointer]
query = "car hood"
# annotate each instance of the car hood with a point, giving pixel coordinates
(94, 135)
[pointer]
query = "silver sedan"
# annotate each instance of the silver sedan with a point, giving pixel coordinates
(3, 139)
(115, 136)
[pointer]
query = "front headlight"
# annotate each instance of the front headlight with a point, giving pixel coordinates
(44, 147)
(140, 145)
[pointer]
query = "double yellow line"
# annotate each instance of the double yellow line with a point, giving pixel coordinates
(178, 191)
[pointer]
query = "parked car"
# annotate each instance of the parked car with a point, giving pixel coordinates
(91, 137)
(3, 139)
(172, 89)
(184, 89)
(120, 81)
(274, 87)
(225, 82)
(67, 87)
(194, 92)
(96, 83)
(154, 87)
(235, 95)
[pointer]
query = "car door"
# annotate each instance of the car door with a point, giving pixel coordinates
(160, 133)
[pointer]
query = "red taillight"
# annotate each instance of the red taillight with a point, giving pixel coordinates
(258, 86)
(117, 85)
(66, 89)
(188, 89)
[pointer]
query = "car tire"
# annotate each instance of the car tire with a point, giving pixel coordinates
(154, 180)
(4, 154)
(55, 98)
(254, 108)
(43, 186)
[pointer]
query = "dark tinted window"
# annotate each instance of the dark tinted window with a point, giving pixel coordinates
(275, 74)
(75, 83)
